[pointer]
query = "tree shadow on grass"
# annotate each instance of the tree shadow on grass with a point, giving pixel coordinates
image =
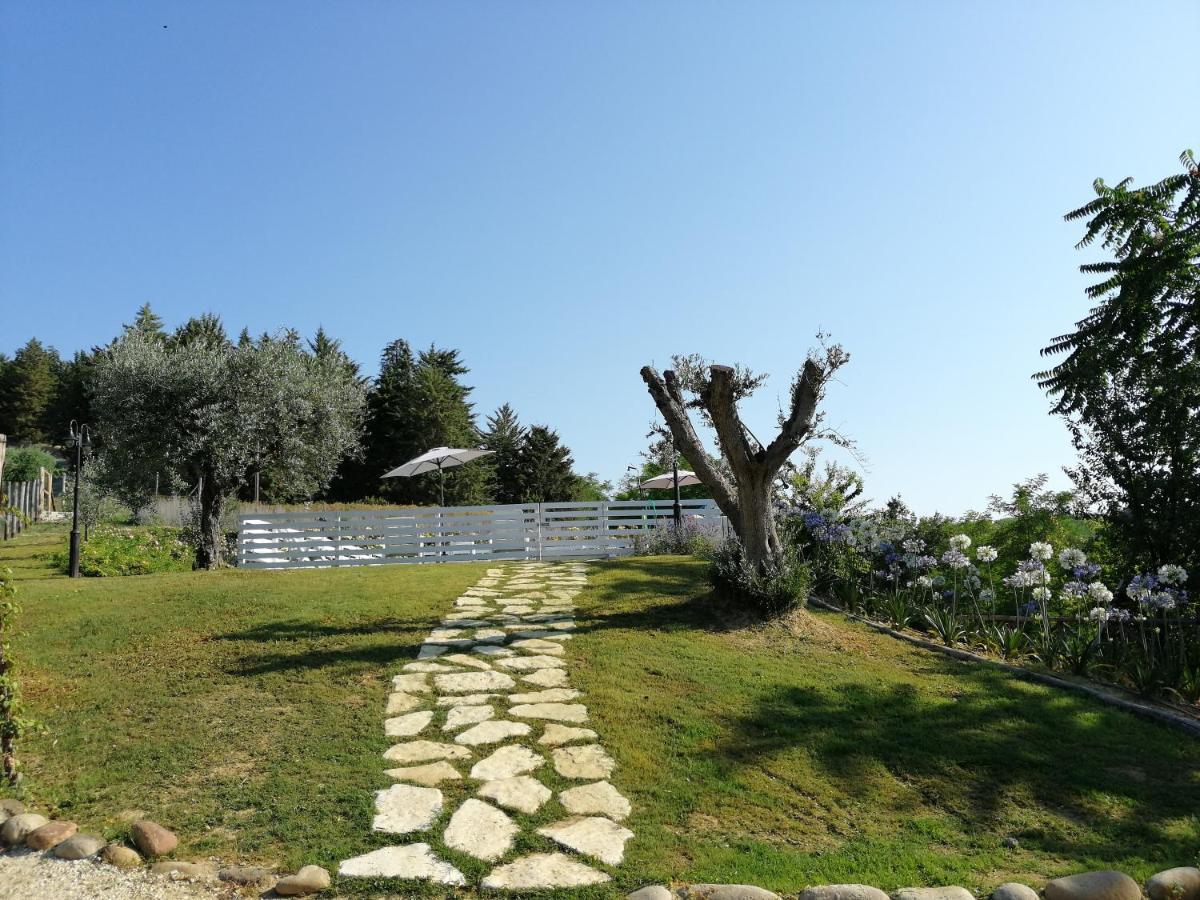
(317, 645)
(1110, 785)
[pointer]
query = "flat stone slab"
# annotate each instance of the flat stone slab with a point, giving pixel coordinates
(546, 677)
(506, 762)
(420, 751)
(413, 683)
(600, 798)
(414, 861)
(492, 732)
(407, 725)
(491, 650)
(481, 830)
(465, 659)
(427, 775)
(560, 712)
(521, 793)
(594, 835)
(402, 703)
(467, 682)
(428, 667)
(542, 870)
(583, 761)
(556, 734)
(537, 645)
(466, 700)
(490, 635)
(429, 651)
(525, 664)
(460, 716)
(553, 695)
(403, 808)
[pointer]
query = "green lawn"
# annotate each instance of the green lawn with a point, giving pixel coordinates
(244, 710)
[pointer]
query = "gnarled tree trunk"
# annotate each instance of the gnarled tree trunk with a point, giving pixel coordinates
(746, 502)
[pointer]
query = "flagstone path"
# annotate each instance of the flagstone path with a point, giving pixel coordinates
(492, 752)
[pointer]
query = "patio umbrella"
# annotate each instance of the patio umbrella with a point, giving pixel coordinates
(665, 481)
(438, 459)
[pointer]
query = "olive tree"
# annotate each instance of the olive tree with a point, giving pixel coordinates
(207, 414)
(744, 494)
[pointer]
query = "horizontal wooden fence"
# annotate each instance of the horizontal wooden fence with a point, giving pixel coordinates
(326, 538)
(27, 499)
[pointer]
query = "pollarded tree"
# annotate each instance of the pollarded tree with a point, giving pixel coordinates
(714, 390)
(206, 413)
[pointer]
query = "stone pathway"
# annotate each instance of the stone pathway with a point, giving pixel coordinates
(492, 751)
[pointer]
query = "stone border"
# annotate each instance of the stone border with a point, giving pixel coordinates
(1146, 709)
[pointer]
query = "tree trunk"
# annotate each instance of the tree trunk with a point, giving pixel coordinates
(210, 549)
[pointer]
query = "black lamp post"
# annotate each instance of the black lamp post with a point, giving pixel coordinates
(81, 436)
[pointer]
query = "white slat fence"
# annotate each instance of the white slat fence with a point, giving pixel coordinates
(321, 539)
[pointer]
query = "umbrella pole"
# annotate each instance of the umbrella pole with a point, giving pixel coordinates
(441, 507)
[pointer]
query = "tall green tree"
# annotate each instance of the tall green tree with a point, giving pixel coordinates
(27, 393)
(1127, 382)
(205, 414)
(546, 468)
(504, 437)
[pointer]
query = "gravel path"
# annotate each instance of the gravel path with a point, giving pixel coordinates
(26, 875)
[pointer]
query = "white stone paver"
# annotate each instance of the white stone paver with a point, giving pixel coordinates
(492, 682)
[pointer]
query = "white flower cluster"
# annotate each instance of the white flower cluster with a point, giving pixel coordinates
(985, 553)
(1040, 550)
(913, 546)
(955, 559)
(1071, 558)
(1171, 574)
(1100, 593)
(960, 542)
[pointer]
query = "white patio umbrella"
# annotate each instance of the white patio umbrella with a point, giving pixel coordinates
(665, 481)
(438, 459)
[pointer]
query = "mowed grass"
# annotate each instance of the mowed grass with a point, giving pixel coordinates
(244, 710)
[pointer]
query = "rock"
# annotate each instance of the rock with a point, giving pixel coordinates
(1182, 883)
(121, 856)
(408, 861)
(415, 683)
(247, 876)
(506, 763)
(1011, 890)
(152, 839)
(1011, 843)
(933, 893)
(420, 751)
(492, 651)
(16, 828)
(1102, 885)
(553, 695)
(431, 651)
(407, 725)
(546, 678)
(308, 880)
(427, 775)
(469, 682)
(583, 761)
(542, 870)
(538, 645)
(728, 892)
(401, 703)
(186, 871)
(480, 830)
(594, 835)
(403, 808)
(428, 668)
(492, 732)
(528, 663)
(463, 659)
(490, 635)
(9, 808)
(50, 835)
(562, 712)
(654, 892)
(603, 799)
(520, 792)
(460, 716)
(81, 846)
(563, 734)
(842, 892)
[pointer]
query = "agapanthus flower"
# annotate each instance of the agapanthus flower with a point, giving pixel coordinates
(960, 542)
(1172, 574)
(913, 546)
(955, 559)
(1041, 593)
(1100, 593)
(1098, 614)
(1074, 590)
(924, 581)
(1040, 550)
(925, 562)
(987, 595)
(1071, 557)
(985, 554)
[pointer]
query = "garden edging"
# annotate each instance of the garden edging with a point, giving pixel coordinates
(1145, 709)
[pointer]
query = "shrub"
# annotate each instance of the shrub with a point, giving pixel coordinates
(113, 550)
(689, 540)
(782, 587)
(24, 463)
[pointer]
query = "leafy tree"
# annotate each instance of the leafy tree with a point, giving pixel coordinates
(24, 463)
(206, 413)
(656, 460)
(745, 495)
(546, 467)
(26, 393)
(72, 399)
(504, 437)
(832, 489)
(590, 488)
(1128, 380)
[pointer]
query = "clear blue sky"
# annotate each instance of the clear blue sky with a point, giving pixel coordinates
(566, 191)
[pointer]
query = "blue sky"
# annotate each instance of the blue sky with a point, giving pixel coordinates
(566, 191)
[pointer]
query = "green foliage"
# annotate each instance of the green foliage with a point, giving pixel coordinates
(142, 550)
(546, 473)
(12, 725)
(504, 438)
(1128, 380)
(28, 383)
(25, 463)
(780, 586)
(591, 488)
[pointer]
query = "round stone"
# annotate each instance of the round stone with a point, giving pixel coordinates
(50, 835)
(152, 839)
(16, 828)
(1012, 890)
(80, 846)
(1102, 885)
(1182, 883)
(121, 856)
(308, 880)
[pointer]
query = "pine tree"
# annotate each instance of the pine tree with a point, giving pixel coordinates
(546, 467)
(147, 323)
(30, 384)
(504, 437)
